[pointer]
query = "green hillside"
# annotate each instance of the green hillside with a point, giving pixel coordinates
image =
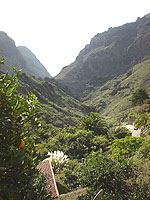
(114, 97)
(58, 108)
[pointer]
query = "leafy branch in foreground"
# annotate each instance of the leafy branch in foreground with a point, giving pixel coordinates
(19, 178)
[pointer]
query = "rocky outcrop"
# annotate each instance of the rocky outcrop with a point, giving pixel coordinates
(110, 53)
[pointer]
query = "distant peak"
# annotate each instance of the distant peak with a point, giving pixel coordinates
(3, 33)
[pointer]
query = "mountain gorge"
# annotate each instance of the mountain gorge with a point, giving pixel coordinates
(103, 76)
(59, 108)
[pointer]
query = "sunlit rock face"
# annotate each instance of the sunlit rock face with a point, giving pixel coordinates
(109, 54)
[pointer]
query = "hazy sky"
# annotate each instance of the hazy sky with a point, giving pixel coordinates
(56, 30)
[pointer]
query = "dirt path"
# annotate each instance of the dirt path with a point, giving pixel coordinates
(135, 132)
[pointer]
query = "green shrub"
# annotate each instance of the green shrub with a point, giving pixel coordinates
(121, 132)
(144, 150)
(19, 178)
(100, 171)
(139, 96)
(96, 123)
(71, 172)
(127, 146)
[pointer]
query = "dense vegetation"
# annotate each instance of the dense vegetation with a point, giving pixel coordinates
(100, 156)
(104, 157)
(120, 171)
(19, 140)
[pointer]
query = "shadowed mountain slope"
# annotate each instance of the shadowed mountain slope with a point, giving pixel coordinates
(11, 54)
(33, 64)
(58, 108)
(108, 55)
(21, 57)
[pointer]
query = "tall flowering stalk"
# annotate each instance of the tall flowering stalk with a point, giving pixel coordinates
(58, 160)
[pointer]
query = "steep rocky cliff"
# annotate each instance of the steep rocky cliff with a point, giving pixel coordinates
(12, 56)
(34, 66)
(21, 57)
(108, 55)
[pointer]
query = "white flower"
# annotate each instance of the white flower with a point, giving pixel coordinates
(58, 159)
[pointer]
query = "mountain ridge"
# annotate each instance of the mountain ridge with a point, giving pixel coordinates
(110, 53)
(33, 64)
(101, 77)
